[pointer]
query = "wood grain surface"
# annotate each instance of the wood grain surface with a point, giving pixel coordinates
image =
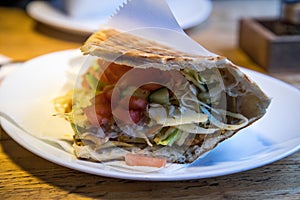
(23, 175)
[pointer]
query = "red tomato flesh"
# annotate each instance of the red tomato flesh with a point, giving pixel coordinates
(140, 160)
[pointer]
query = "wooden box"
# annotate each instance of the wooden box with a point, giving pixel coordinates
(272, 44)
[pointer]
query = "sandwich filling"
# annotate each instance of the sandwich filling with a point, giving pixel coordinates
(152, 112)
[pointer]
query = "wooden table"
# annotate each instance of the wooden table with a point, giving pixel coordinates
(24, 175)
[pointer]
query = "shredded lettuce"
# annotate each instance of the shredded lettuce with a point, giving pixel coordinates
(170, 139)
(91, 80)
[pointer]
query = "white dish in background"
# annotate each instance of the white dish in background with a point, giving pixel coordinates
(188, 14)
(275, 136)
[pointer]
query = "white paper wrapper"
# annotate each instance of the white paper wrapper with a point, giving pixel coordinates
(154, 20)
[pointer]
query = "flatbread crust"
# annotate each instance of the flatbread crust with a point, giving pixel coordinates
(131, 50)
(244, 96)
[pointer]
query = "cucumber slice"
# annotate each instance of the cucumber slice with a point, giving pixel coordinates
(160, 96)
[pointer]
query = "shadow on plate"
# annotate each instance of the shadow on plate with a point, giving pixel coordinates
(241, 147)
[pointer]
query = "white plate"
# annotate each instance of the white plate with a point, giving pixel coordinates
(27, 96)
(188, 14)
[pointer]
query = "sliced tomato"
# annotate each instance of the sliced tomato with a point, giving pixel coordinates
(103, 109)
(108, 91)
(105, 79)
(135, 115)
(85, 83)
(151, 87)
(99, 99)
(136, 103)
(94, 118)
(127, 116)
(113, 73)
(141, 160)
(133, 103)
(99, 112)
(118, 70)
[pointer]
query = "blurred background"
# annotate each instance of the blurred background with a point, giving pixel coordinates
(51, 25)
(20, 3)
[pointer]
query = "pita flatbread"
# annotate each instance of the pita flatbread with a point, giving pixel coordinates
(243, 96)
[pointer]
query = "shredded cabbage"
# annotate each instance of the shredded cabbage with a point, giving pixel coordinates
(186, 116)
(196, 129)
(243, 120)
